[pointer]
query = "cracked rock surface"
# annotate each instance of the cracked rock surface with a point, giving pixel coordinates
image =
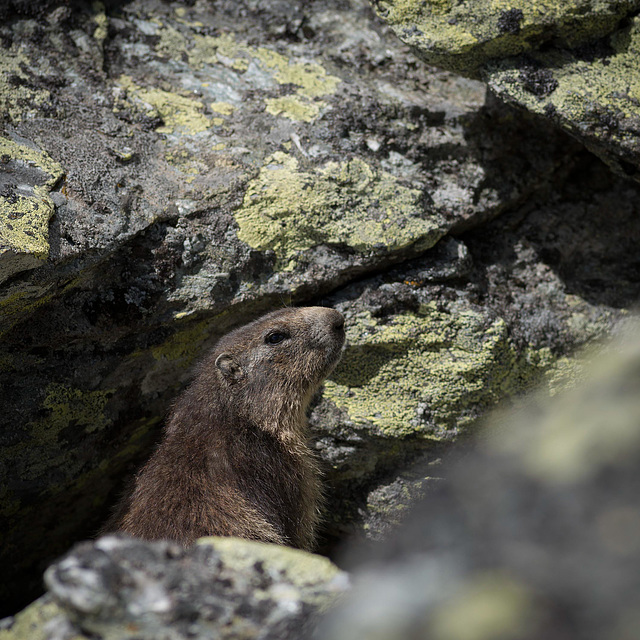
(169, 171)
(573, 62)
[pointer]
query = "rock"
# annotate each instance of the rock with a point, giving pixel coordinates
(25, 206)
(534, 532)
(573, 63)
(589, 91)
(194, 167)
(463, 37)
(434, 343)
(41, 620)
(117, 588)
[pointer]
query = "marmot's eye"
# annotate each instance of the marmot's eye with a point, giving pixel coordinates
(275, 336)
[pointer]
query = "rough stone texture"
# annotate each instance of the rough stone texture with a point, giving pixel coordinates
(573, 62)
(592, 92)
(499, 309)
(464, 36)
(203, 163)
(25, 206)
(534, 533)
(119, 588)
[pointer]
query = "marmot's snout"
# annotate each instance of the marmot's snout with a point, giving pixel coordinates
(328, 327)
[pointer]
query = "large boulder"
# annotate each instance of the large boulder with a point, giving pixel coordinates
(533, 534)
(118, 588)
(170, 172)
(573, 62)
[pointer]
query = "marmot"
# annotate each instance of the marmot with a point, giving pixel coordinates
(234, 459)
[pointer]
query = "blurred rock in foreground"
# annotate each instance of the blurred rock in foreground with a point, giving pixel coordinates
(533, 535)
(120, 588)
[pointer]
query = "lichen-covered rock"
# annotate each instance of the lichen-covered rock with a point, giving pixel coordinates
(178, 170)
(592, 92)
(41, 620)
(573, 62)
(27, 177)
(117, 588)
(533, 534)
(431, 345)
(464, 36)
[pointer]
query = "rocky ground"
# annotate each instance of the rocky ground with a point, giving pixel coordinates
(171, 170)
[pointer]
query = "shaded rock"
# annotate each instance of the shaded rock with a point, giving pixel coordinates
(534, 532)
(500, 309)
(216, 161)
(574, 63)
(591, 92)
(120, 588)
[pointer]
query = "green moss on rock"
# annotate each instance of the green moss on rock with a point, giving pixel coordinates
(348, 203)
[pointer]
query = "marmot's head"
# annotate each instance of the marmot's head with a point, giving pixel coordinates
(273, 365)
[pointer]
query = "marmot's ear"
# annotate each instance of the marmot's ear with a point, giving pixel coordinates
(229, 368)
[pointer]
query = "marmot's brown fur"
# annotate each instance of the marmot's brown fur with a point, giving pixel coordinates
(234, 460)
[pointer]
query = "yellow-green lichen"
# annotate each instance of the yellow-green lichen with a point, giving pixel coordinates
(293, 108)
(25, 215)
(183, 345)
(24, 228)
(311, 80)
(176, 111)
(596, 98)
(20, 97)
(464, 36)
(423, 373)
(67, 406)
(171, 44)
(225, 108)
(31, 623)
(32, 157)
(45, 448)
(19, 305)
(348, 203)
(302, 569)
(488, 606)
(100, 18)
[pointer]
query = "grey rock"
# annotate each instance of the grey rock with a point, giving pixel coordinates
(118, 588)
(533, 533)
(571, 62)
(214, 161)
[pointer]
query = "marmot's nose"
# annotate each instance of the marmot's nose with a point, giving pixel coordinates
(337, 321)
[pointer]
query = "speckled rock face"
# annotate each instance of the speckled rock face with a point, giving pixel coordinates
(464, 36)
(534, 533)
(592, 92)
(116, 589)
(171, 171)
(574, 62)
